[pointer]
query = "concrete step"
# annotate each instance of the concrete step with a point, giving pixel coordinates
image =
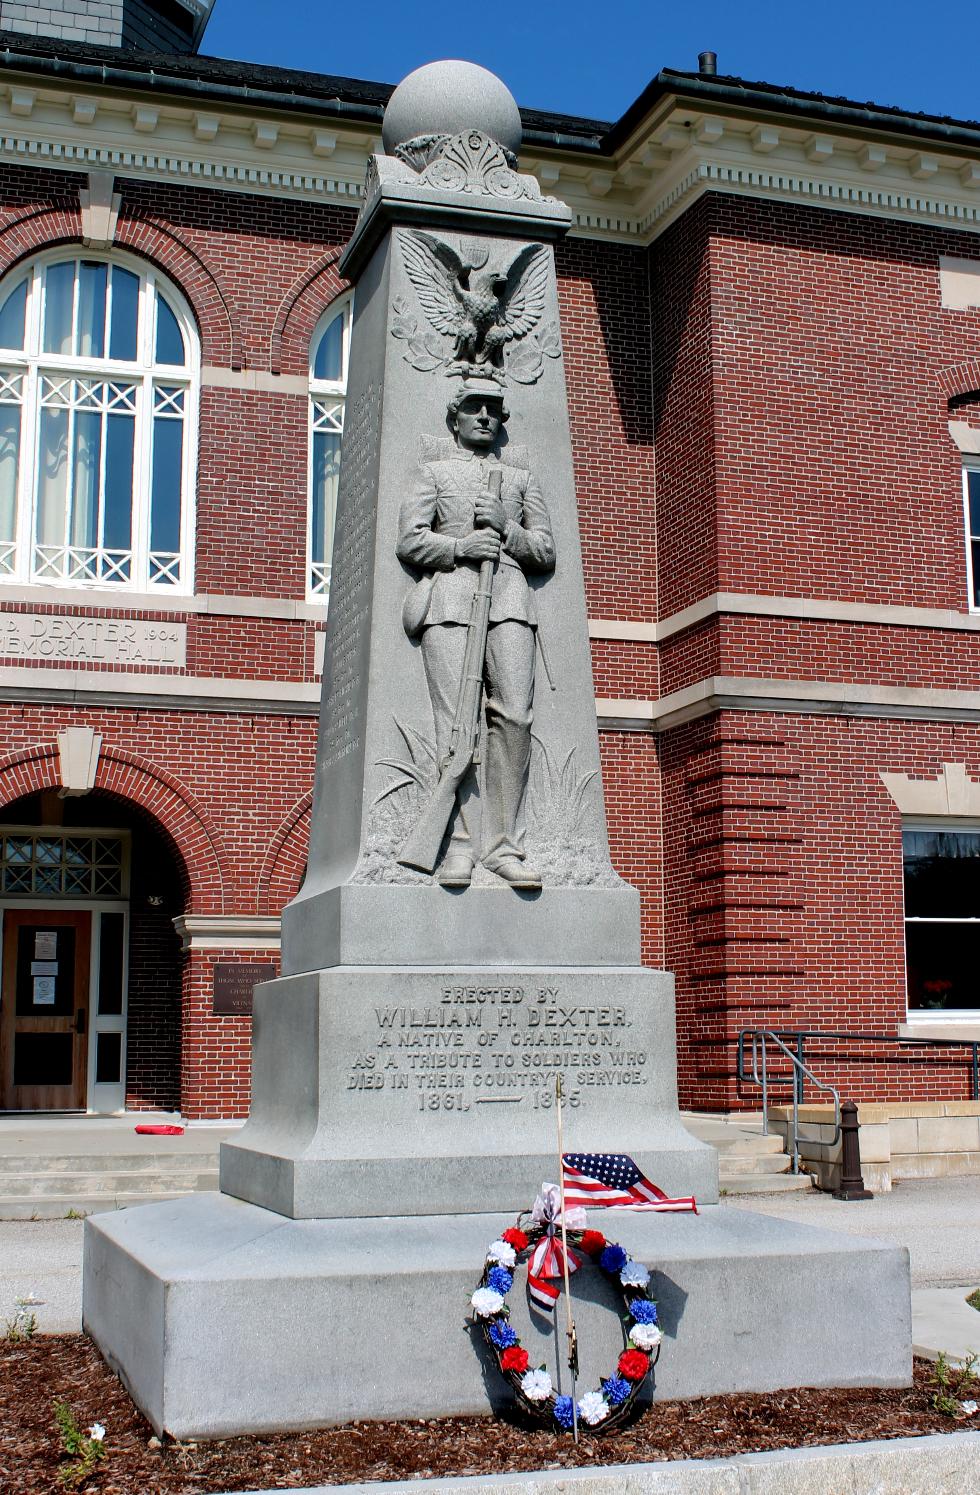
(746, 1145)
(764, 1183)
(97, 1184)
(765, 1162)
(56, 1207)
(108, 1162)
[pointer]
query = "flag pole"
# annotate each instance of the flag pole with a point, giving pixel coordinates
(572, 1337)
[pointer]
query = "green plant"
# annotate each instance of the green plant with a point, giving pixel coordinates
(23, 1325)
(74, 1214)
(954, 1384)
(85, 1449)
(974, 1300)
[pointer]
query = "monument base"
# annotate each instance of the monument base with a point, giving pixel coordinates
(419, 1090)
(223, 1318)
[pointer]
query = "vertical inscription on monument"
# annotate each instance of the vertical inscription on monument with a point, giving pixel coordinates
(351, 579)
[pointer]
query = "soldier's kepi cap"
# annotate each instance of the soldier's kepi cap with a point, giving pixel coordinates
(483, 389)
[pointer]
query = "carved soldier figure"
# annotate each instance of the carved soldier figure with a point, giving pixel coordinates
(451, 523)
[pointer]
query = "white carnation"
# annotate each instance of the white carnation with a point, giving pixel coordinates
(634, 1274)
(503, 1253)
(593, 1408)
(646, 1336)
(486, 1302)
(969, 1408)
(536, 1385)
(97, 1433)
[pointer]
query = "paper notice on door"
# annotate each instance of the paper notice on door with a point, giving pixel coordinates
(43, 991)
(46, 944)
(44, 968)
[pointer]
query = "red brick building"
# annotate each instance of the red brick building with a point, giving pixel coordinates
(771, 315)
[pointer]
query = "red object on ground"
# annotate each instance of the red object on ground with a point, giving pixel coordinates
(160, 1131)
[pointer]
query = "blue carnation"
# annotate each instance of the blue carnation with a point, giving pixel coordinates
(613, 1259)
(502, 1334)
(500, 1280)
(564, 1413)
(616, 1389)
(643, 1311)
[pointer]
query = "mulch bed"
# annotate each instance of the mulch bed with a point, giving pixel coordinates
(36, 1373)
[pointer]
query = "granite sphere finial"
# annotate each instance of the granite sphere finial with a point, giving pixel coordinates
(446, 98)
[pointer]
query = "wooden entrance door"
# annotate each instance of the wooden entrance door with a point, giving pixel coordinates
(44, 1009)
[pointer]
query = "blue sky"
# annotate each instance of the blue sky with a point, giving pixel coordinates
(594, 58)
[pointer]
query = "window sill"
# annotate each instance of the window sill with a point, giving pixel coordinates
(964, 1025)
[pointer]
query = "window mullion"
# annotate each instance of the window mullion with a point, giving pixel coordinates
(142, 497)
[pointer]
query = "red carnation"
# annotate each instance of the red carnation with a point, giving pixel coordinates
(516, 1359)
(593, 1241)
(633, 1364)
(515, 1238)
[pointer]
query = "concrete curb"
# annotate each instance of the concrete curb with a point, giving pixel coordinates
(939, 1464)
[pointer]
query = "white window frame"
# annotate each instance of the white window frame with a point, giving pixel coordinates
(144, 371)
(970, 464)
(920, 1015)
(318, 590)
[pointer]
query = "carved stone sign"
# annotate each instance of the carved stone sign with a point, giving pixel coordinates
(499, 1042)
(39, 637)
(234, 983)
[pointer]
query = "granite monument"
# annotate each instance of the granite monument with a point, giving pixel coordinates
(461, 936)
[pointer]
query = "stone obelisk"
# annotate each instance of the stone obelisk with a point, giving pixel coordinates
(461, 937)
(406, 1064)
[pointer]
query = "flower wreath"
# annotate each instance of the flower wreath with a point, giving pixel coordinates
(604, 1409)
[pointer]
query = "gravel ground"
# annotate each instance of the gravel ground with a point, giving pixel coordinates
(937, 1218)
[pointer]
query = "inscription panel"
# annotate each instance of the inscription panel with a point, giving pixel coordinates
(39, 637)
(483, 1045)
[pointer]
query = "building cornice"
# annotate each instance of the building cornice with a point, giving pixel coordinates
(679, 152)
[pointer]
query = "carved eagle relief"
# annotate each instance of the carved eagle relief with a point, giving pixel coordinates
(482, 307)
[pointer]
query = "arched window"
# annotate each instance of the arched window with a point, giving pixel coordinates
(328, 386)
(98, 404)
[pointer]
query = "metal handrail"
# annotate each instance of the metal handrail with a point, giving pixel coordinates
(760, 1037)
(799, 1036)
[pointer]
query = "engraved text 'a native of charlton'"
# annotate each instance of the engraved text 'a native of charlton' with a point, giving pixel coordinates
(482, 309)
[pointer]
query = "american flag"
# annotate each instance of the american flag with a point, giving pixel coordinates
(603, 1180)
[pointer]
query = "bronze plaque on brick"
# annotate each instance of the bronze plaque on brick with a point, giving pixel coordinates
(231, 995)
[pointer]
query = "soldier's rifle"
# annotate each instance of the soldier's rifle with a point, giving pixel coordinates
(421, 849)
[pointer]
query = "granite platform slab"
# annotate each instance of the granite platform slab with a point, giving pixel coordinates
(223, 1318)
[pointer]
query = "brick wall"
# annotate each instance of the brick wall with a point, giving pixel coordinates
(798, 371)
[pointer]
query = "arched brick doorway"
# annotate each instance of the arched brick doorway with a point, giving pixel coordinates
(92, 965)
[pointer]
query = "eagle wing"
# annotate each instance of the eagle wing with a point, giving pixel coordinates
(435, 271)
(522, 303)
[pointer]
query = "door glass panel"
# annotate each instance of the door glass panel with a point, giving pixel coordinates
(328, 363)
(92, 280)
(45, 971)
(59, 290)
(170, 343)
(52, 484)
(12, 318)
(9, 455)
(118, 521)
(124, 320)
(111, 965)
(43, 1058)
(108, 1058)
